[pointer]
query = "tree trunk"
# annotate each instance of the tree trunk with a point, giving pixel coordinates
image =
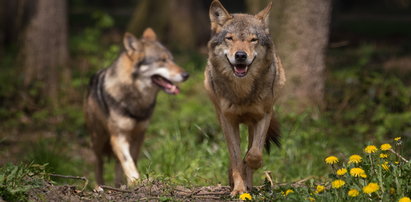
(179, 23)
(300, 29)
(44, 52)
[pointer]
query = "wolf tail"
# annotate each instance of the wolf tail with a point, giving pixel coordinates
(273, 134)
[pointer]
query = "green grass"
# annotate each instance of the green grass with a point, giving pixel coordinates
(16, 180)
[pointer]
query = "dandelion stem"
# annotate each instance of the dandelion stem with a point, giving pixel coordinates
(372, 164)
(402, 158)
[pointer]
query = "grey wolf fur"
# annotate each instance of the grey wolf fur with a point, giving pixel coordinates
(121, 100)
(242, 78)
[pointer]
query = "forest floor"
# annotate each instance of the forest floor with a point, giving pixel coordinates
(149, 191)
(14, 148)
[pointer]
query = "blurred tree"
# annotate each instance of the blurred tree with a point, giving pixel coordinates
(181, 23)
(300, 29)
(44, 50)
(2, 15)
(13, 18)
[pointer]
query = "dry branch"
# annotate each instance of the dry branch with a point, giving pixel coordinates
(73, 177)
(115, 189)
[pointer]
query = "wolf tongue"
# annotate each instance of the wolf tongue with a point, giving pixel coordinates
(240, 68)
(172, 88)
(175, 90)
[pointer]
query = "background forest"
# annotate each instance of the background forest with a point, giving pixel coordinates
(347, 62)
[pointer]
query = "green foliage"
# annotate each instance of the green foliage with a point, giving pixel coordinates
(55, 155)
(9, 112)
(372, 103)
(16, 180)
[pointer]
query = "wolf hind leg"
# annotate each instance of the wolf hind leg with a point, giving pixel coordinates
(247, 169)
(119, 178)
(97, 147)
(230, 176)
(99, 168)
(136, 145)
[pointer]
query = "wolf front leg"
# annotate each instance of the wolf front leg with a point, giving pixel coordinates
(254, 155)
(232, 136)
(121, 149)
(249, 171)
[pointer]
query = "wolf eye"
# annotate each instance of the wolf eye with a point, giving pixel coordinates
(229, 38)
(254, 40)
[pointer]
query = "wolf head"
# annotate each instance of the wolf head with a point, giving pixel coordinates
(242, 40)
(152, 62)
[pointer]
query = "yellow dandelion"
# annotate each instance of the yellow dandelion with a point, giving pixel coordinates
(385, 147)
(404, 199)
(311, 199)
(357, 172)
(354, 159)
(397, 139)
(353, 193)
(370, 149)
(288, 191)
(331, 160)
(341, 171)
(385, 166)
(397, 162)
(319, 189)
(337, 184)
(363, 175)
(371, 188)
(383, 156)
(245, 196)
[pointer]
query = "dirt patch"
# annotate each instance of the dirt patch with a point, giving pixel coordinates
(148, 191)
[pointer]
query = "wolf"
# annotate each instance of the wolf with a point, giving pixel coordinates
(121, 100)
(243, 76)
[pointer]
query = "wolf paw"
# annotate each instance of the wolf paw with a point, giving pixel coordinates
(133, 182)
(254, 160)
(236, 192)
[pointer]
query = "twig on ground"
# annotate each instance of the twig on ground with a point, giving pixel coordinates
(269, 178)
(295, 183)
(73, 177)
(207, 197)
(149, 198)
(402, 158)
(212, 193)
(194, 193)
(115, 189)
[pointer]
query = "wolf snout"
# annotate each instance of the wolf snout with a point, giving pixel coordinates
(240, 56)
(185, 75)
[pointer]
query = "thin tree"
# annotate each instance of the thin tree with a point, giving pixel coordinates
(44, 50)
(300, 29)
(181, 23)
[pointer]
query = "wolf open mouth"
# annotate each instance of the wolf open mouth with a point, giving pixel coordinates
(240, 70)
(165, 84)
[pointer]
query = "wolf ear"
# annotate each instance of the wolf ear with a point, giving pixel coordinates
(263, 15)
(218, 15)
(131, 44)
(149, 34)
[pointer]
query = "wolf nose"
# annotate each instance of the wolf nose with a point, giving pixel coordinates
(240, 56)
(185, 75)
